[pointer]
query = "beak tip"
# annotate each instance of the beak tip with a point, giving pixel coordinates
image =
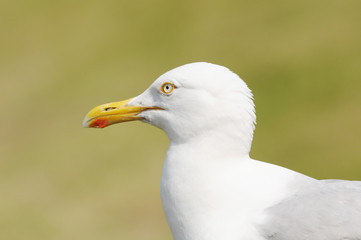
(85, 123)
(95, 123)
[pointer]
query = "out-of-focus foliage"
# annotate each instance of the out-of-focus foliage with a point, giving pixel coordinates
(58, 59)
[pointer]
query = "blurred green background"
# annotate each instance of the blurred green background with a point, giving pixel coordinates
(58, 59)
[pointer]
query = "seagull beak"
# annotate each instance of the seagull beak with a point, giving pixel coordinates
(111, 113)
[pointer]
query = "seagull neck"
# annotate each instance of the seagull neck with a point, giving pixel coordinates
(213, 145)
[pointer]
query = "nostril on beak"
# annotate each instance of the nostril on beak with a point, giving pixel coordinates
(109, 108)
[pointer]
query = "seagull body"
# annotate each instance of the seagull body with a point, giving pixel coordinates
(210, 188)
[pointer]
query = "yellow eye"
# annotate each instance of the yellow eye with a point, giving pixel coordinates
(167, 87)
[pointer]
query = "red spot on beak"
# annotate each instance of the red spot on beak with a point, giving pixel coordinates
(99, 123)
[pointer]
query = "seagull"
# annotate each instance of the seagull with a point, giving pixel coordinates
(210, 187)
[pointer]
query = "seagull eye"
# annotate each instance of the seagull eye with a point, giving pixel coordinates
(167, 87)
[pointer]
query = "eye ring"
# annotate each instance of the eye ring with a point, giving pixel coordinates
(167, 87)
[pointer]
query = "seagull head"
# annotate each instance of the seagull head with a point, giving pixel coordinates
(193, 100)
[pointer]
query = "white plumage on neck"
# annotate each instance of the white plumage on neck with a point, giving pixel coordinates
(206, 196)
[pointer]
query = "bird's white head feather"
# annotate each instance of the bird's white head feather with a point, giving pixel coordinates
(208, 100)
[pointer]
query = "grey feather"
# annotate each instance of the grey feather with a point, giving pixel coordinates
(328, 210)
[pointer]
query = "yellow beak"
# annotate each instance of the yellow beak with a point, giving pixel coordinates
(111, 113)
